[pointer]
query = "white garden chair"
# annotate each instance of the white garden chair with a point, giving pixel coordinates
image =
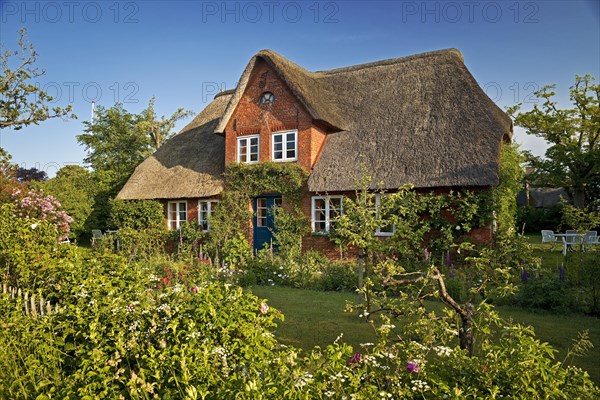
(591, 238)
(96, 236)
(548, 237)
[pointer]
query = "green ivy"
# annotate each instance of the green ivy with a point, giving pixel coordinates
(503, 198)
(267, 177)
(242, 183)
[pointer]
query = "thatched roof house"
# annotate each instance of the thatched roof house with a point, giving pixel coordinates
(421, 119)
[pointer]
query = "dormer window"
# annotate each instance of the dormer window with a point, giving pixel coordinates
(248, 149)
(285, 146)
(266, 98)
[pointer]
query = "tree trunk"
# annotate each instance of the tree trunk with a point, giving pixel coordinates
(465, 334)
(578, 197)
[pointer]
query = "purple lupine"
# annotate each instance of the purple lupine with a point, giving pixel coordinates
(355, 359)
(561, 273)
(524, 276)
(412, 367)
(426, 254)
(448, 259)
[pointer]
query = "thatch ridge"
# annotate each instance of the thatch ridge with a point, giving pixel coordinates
(189, 165)
(389, 61)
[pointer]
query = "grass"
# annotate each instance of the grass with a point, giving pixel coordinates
(317, 318)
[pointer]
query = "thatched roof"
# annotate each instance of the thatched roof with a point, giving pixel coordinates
(189, 165)
(311, 93)
(421, 119)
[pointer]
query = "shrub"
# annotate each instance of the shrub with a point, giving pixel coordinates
(236, 252)
(338, 276)
(535, 219)
(136, 214)
(28, 247)
(136, 244)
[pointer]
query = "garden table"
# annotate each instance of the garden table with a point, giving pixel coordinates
(569, 243)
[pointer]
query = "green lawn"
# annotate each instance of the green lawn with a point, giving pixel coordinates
(315, 318)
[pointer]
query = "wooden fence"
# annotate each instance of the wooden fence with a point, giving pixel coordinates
(34, 306)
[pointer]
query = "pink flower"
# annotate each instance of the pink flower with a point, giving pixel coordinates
(194, 289)
(264, 308)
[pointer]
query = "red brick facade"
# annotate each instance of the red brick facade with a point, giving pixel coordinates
(286, 113)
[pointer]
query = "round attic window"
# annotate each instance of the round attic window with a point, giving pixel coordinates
(266, 98)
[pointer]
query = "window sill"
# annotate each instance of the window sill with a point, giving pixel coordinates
(286, 160)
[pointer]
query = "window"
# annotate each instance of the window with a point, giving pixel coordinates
(285, 146)
(261, 211)
(387, 230)
(176, 214)
(205, 210)
(247, 149)
(325, 209)
(266, 98)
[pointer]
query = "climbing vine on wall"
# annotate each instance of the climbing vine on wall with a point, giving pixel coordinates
(267, 177)
(242, 183)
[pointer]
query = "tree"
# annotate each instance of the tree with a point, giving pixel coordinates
(21, 102)
(160, 131)
(76, 189)
(30, 174)
(573, 158)
(117, 141)
(113, 143)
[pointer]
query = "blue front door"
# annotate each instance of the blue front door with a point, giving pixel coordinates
(264, 221)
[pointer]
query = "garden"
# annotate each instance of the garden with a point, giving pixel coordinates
(183, 314)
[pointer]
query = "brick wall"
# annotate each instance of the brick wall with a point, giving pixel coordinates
(286, 113)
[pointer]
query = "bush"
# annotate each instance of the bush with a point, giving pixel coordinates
(535, 219)
(546, 293)
(188, 240)
(584, 273)
(136, 214)
(338, 276)
(126, 330)
(136, 244)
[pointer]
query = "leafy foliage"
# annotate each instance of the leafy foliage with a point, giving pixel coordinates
(75, 188)
(573, 158)
(30, 174)
(113, 142)
(132, 331)
(503, 196)
(136, 214)
(402, 263)
(267, 177)
(580, 219)
(22, 103)
(159, 131)
(244, 181)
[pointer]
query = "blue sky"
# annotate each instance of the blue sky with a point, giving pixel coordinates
(183, 51)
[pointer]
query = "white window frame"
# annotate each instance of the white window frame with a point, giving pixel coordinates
(178, 221)
(284, 143)
(261, 212)
(247, 138)
(211, 205)
(328, 220)
(378, 231)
